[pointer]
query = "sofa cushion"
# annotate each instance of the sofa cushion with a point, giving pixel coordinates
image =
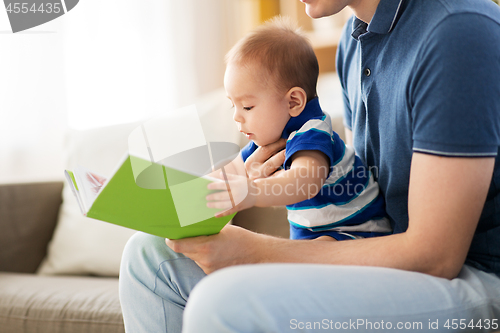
(28, 215)
(30, 303)
(81, 245)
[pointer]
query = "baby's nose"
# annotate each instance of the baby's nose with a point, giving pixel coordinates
(237, 117)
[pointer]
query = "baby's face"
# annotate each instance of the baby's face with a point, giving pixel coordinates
(260, 112)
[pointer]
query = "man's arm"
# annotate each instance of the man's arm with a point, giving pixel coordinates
(446, 197)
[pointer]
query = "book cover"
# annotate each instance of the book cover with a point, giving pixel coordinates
(160, 186)
(121, 201)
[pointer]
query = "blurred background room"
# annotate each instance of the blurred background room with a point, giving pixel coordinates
(111, 61)
(71, 92)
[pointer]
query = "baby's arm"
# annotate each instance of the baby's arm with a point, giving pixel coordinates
(304, 179)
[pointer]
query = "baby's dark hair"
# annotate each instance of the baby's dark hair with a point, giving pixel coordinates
(282, 49)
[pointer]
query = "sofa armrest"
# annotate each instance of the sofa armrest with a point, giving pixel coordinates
(28, 216)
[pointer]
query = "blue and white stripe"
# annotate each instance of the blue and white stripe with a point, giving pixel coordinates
(349, 203)
(350, 200)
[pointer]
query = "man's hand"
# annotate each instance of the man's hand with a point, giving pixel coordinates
(266, 160)
(232, 246)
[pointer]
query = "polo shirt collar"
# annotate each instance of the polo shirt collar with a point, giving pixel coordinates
(312, 110)
(382, 22)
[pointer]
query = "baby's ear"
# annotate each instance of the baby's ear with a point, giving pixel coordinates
(297, 100)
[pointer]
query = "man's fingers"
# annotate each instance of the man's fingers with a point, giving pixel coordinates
(272, 164)
(265, 160)
(265, 152)
(268, 167)
(176, 245)
(277, 146)
(185, 245)
(271, 149)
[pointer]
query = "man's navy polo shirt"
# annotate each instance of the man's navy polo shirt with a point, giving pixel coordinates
(424, 76)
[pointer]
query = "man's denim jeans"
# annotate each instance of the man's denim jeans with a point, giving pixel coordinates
(155, 284)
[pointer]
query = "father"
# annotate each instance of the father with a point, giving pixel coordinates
(421, 81)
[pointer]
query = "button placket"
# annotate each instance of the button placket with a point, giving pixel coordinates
(364, 68)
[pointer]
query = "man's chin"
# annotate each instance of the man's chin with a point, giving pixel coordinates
(317, 13)
(311, 12)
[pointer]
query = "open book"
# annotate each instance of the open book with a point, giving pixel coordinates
(160, 185)
(170, 203)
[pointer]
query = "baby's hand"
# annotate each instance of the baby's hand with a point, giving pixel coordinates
(235, 194)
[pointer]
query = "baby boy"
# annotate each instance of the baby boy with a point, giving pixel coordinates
(271, 78)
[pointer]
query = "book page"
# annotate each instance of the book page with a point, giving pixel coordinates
(74, 189)
(89, 186)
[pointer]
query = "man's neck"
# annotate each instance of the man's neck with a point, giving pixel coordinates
(364, 9)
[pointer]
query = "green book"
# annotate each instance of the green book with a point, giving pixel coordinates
(161, 200)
